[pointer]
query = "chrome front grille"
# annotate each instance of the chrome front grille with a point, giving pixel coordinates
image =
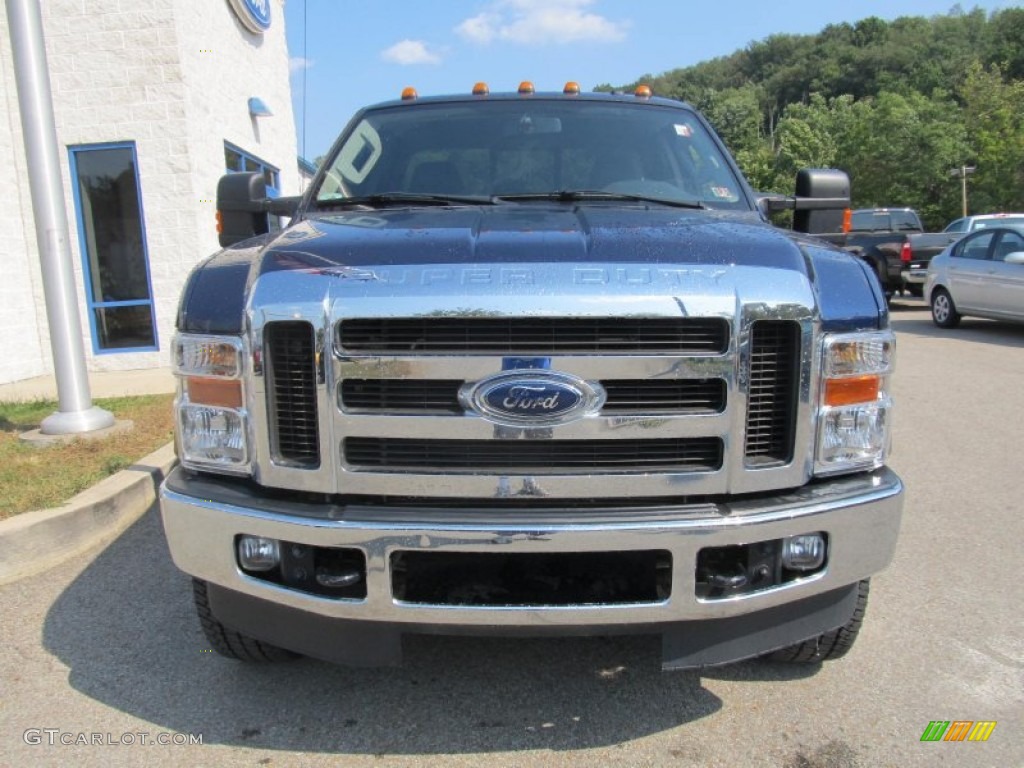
(291, 393)
(356, 388)
(771, 404)
(535, 456)
(624, 396)
(533, 335)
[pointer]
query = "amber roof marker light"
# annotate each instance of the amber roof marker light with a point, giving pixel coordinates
(571, 88)
(526, 88)
(642, 92)
(409, 94)
(481, 89)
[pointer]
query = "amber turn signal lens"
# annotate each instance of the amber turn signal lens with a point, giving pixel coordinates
(225, 393)
(860, 389)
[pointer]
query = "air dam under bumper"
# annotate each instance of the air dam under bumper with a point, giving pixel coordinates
(859, 514)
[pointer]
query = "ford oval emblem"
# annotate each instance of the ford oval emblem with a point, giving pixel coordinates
(254, 14)
(532, 398)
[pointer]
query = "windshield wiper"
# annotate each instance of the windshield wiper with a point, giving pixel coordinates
(577, 195)
(385, 199)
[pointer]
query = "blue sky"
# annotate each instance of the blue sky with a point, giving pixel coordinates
(345, 55)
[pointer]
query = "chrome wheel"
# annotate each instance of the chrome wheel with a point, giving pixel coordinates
(944, 312)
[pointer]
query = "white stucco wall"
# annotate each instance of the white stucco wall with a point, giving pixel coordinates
(175, 78)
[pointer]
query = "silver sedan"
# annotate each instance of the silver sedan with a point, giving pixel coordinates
(980, 275)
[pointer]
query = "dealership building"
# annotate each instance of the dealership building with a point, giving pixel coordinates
(153, 101)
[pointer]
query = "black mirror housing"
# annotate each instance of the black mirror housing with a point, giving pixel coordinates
(822, 196)
(241, 207)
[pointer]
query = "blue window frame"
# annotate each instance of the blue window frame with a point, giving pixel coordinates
(112, 241)
(238, 160)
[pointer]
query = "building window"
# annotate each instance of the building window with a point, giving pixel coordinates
(112, 240)
(238, 160)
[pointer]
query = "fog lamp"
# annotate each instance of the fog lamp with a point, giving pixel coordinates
(803, 553)
(256, 553)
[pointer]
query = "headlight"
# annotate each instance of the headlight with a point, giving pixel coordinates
(855, 415)
(212, 419)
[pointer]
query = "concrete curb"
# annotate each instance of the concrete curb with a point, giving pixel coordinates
(33, 542)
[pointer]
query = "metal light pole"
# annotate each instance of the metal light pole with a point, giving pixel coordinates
(76, 412)
(963, 172)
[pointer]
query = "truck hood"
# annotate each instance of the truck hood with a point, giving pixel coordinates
(532, 232)
(509, 255)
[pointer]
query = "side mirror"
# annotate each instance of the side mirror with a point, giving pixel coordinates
(822, 195)
(1017, 257)
(243, 207)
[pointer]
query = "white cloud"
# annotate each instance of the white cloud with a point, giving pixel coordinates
(480, 29)
(410, 52)
(539, 22)
(297, 64)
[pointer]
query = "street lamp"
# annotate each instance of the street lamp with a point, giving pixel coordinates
(963, 172)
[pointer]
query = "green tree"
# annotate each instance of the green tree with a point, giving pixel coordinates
(994, 118)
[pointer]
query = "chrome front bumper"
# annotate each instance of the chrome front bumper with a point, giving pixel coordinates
(860, 514)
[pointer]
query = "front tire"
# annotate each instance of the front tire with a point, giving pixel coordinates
(944, 312)
(227, 642)
(830, 645)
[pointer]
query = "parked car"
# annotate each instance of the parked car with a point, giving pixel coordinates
(981, 275)
(983, 221)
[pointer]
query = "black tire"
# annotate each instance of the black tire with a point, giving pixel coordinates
(944, 312)
(831, 645)
(227, 642)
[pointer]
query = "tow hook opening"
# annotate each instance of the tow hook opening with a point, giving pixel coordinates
(338, 572)
(724, 572)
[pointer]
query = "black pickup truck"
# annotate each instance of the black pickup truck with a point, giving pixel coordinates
(894, 243)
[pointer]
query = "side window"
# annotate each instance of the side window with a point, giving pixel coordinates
(1009, 242)
(957, 226)
(975, 248)
(112, 238)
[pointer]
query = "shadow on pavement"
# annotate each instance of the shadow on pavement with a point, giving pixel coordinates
(126, 630)
(971, 329)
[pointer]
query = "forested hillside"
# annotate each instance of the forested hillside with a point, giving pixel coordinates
(895, 104)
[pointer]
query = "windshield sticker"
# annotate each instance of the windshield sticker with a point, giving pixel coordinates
(684, 130)
(724, 193)
(360, 153)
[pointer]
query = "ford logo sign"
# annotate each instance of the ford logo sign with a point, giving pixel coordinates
(532, 398)
(254, 14)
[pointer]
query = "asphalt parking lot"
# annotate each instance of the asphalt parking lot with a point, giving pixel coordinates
(108, 647)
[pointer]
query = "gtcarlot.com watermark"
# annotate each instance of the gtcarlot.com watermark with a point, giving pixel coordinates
(55, 737)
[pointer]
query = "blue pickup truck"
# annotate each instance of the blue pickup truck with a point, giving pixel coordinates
(531, 364)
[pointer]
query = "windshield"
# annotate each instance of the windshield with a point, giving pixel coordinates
(498, 148)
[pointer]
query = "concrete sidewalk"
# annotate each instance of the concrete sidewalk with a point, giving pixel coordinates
(150, 381)
(36, 541)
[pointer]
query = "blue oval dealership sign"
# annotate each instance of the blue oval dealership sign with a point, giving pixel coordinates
(254, 14)
(533, 398)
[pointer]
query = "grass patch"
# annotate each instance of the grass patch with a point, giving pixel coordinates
(40, 478)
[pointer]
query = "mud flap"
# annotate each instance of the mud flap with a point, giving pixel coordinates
(690, 644)
(353, 643)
